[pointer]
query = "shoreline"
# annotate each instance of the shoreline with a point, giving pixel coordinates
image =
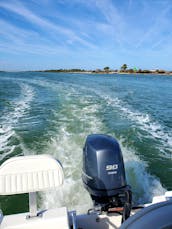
(107, 73)
(96, 72)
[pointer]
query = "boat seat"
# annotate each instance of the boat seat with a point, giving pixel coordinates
(27, 174)
(30, 174)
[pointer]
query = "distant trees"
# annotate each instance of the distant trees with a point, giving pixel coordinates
(130, 70)
(124, 67)
(106, 69)
(160, 71)
(66, 70)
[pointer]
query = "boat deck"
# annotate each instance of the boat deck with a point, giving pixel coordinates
(104, 221)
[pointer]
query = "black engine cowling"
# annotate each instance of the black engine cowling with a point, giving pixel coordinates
(103, 172)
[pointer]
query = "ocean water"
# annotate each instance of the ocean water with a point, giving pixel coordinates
(52, 113)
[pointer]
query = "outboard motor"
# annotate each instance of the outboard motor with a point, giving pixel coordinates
(104, 174)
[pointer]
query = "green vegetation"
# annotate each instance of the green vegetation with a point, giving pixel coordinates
(124, 67)
(106, 69)
(123, 70)
(65, 70)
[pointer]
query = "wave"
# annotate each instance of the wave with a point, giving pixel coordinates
(80, 108)
(10, 119)
(67, 147)
(144, 121)
(144, 185)
(78, 117)
(73, 124)
(153, 128)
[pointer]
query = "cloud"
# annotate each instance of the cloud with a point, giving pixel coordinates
(113, 17)
(97, 30)
(44, 23)
(36, 49)
(154, 33)
(16, 40)
(14, 33)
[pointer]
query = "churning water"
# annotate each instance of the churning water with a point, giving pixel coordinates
(49, 113)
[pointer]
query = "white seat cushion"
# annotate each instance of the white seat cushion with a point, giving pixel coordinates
(30, 174)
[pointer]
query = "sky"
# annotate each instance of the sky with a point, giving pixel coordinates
(89, 34)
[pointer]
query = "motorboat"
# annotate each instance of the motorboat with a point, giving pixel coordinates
(103, 176)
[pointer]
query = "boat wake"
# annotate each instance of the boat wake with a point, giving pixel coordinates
(9, 139)
(74, 122)
(153, 129)
(79, 117)
(144, 185)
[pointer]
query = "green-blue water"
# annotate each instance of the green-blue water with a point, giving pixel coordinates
(53, 113)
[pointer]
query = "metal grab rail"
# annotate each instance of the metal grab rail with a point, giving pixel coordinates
(73, 218)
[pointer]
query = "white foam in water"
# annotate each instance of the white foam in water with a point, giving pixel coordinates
(144, 185)
(67, 147)
(155, 129)
(144, 121)
(10, 119)
(68, 150)
(8, 150)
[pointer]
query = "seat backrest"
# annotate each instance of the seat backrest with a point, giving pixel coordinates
(27, 174)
